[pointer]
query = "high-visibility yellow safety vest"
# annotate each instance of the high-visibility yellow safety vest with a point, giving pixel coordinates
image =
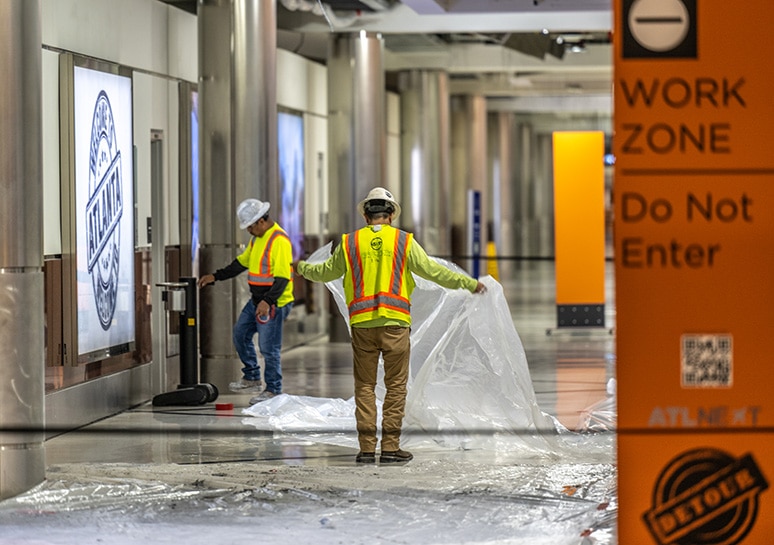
(377, 283)
(273, 247)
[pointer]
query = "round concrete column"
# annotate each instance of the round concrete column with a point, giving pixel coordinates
(356, 136)
(238, 158)
(504, 202)
(356, 125)
(22, 320)
(426, 188)
(468, 170)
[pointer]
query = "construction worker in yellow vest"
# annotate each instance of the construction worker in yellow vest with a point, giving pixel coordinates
(377, 262)
(268, 260)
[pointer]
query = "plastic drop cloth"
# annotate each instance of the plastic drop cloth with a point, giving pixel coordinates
(469, 385)
(602, 416)
(428, 502)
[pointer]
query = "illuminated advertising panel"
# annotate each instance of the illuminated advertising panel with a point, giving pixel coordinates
(104, 211)
(290, 144)
(194, 143)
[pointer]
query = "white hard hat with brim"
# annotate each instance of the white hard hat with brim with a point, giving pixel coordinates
(380, 194)
(251, 210)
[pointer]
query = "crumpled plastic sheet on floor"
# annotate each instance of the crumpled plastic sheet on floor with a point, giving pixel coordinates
(469, 384)
(601, 416)
(432, 502)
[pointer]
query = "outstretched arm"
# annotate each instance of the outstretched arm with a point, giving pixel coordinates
(332, 268)
(420, 264)
(229, 271)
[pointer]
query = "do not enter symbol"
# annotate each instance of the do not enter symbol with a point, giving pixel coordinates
(659, 25)
(659, 28)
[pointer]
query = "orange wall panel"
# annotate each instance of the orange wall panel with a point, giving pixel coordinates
(579, 217)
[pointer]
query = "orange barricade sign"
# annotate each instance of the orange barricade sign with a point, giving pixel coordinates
(694, 234)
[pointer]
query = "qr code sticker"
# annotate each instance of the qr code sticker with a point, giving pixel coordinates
(707, 361)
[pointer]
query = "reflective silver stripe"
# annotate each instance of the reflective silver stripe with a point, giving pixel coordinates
(357, 271)
(260, 279)
(381, 299)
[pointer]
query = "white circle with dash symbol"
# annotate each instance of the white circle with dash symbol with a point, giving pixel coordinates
(659, 25)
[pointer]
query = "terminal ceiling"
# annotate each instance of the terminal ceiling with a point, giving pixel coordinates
(518, 53)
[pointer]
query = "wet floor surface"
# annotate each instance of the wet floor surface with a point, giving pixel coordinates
(164, 474)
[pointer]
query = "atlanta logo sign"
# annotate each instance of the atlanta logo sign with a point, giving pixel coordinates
(103, 210)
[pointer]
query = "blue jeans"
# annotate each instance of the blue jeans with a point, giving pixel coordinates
(269, 343)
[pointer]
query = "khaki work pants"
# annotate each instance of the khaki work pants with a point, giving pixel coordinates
(394, 344)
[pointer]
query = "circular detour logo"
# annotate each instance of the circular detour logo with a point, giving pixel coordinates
(705, 497)
(103, 210)
(659, 28)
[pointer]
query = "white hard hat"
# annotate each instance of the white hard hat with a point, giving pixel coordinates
(380, 194)
(251, 210)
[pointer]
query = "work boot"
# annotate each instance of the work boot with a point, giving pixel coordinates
(393, 456)
(365, 458)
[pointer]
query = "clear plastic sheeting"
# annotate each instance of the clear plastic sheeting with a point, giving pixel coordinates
(429, 502)
(602, 416)
(469, 385)
(304, 414)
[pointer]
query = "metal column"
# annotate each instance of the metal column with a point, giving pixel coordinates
(426, 188)
(254, 107)
(22, 321)
(357, 136)
(504, 200)
(525, 212)
(238, 157)
(159, 374)
(468, 166)
(356, 125)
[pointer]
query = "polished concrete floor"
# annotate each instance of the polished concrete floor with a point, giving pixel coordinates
(165, 474)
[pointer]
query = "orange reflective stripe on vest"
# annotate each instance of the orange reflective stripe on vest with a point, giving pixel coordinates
(264, 276)
(353, 251)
